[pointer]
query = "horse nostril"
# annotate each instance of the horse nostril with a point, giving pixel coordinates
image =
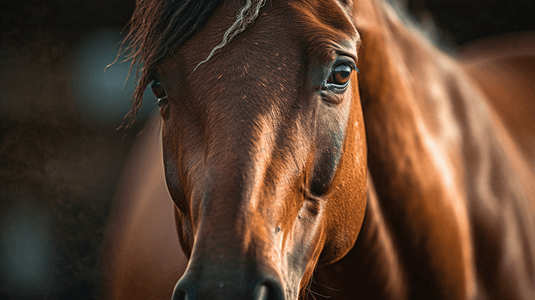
(269, 290)
(180, 294)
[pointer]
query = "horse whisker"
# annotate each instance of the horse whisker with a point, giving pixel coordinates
(318, 294)
(327, 287)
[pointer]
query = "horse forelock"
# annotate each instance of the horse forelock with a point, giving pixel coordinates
(157, 28)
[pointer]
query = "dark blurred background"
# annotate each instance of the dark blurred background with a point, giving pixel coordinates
(60, 155)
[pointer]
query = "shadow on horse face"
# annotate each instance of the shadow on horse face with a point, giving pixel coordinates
(264, 151)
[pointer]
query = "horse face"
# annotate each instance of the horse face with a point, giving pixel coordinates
(264, 150)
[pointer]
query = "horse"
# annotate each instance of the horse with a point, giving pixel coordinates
(322, 148)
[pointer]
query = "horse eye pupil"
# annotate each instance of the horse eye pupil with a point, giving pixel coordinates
(343, 76)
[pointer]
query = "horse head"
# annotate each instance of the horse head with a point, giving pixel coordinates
(265, 155)
(263, 143)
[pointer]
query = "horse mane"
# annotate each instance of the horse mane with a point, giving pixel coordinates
(157, 28)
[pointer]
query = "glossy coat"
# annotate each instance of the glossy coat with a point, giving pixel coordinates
(272, 175)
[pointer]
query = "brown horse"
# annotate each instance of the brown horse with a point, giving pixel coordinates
(278, 153)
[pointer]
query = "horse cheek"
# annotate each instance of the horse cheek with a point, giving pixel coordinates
(346, 196)
(330, 134)
(326, 162)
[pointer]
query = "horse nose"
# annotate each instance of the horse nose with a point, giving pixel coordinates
(269, 290)
(266, 289)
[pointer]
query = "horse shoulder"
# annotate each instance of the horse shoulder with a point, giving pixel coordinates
(143, 258)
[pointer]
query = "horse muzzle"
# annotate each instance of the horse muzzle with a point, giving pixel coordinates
(214, 281)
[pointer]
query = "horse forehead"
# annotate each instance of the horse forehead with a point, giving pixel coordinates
(281, 28)
(264, 62)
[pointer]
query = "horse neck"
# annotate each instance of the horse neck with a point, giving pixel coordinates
(411, 95)
(437, 155)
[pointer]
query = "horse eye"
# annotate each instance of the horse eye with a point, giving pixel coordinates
(340, 75)
(158, 91)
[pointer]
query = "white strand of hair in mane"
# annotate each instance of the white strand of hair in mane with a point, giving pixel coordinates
(244, 18)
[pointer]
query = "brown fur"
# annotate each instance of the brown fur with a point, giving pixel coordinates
(450, 202)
